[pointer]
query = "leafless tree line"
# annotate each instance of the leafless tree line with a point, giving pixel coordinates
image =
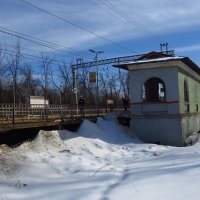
(18, 81)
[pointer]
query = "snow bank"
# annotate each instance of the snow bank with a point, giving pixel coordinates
(101, 161)
(192, 139)
(10, 161)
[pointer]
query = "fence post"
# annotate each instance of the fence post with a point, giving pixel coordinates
(13, 114)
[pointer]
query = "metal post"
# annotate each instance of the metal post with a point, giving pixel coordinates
(166, 47)
(61, 104)
(75, 89)
(13, 112)
(97, 88)
(161, 45)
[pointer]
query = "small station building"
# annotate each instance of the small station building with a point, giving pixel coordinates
(165, 97)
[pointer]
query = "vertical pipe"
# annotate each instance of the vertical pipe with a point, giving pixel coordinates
(13, 109)
(97, 89)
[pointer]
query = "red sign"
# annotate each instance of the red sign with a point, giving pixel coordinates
(92, 77)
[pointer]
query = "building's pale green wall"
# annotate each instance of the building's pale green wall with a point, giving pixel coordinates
(193, 90)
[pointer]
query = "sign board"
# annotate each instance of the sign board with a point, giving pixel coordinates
(109, 101)
(92, 77)
(38, 101)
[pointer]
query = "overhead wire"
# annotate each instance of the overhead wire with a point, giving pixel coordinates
(131, 21)
(76, 25)
(110, 13)
(28, 39)
(35, 58)
(22, 48)
(33, 50)
(120, 18)
(30, 57)
(37, 41)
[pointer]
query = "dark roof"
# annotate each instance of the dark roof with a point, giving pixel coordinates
(148, 56)
(187, 61)
(155, 54)
(159, 57)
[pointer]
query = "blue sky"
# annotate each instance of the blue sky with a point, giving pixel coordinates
(139, 26)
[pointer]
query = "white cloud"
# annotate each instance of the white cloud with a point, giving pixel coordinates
(152, 16)
(190, 48)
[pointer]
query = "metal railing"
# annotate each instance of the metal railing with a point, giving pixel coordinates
(117, 60)
(26, 113)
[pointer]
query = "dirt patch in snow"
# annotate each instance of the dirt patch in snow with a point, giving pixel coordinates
(10, 161)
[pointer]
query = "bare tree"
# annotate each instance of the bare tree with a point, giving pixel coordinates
(2, 71)
(13, 66)
(28, 84)
(66, 83)
(46, 61)
(123, 78)
(56, 84)
(104, 86)
(2, 57)
(113, 85)
(83, 81)
(42, 81)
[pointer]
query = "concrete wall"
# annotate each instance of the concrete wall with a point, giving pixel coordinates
(166, 131)
(156, 122)
(139, 77)
(169, 122)
(190, 124)
(190, 120)
(194, 93)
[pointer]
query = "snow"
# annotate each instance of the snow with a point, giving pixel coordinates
(101, 161)
(153, 60)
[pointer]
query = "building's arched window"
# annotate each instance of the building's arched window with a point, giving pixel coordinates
(186, 94)
(196, 98)
(154, 90)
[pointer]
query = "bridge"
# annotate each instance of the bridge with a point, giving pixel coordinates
(16, 116)
(20, 116)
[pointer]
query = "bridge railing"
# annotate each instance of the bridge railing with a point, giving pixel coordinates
(22, 113)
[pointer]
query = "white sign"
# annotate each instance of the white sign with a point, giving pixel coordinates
(38, 100)
(109, 101)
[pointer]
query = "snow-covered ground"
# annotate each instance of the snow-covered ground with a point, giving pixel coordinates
(99, 162)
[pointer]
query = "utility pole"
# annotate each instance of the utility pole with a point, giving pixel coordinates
(14, 99)
(75, 88)
(97, 77)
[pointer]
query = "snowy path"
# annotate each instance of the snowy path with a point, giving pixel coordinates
(99, 162)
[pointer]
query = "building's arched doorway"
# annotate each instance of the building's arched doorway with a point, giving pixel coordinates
(154, 90)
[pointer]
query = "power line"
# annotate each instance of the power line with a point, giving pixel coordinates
(76, 25)
(123, 15)
(34, 50)
(36, 41)
(28, 56)
(13, 53)
(41, 74)
(22, 48)
(120, 18)
(30, 40)
(110, 13)
(133, 22)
